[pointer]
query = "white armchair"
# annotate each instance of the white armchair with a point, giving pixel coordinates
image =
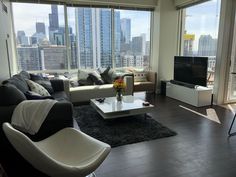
(69, 152)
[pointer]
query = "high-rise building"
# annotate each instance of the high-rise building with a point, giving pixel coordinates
(139, 61)
(95, 37)
(137, 45)
(207, 46)
(105, 38)
(86, 29)
(37, 38)
(188, 44)
(53, 23)
(127, 60)
(21, 38)
(125, 30)
(28, 58)
(53, 57)
(147, 49)
(40, 28)
(143, 43)
(117, 39)
(53, 18)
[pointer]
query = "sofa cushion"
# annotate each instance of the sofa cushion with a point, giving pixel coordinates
(140, 76)
(19, 82)
(85, 93)
(45, 82)
(37, 88)
(10, 95)
(144, 86)
(25, 75)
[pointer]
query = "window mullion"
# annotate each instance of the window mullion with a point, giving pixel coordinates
(113, 37)
(68, 48)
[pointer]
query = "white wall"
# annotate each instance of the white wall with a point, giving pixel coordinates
(6, 33)
(166, 17)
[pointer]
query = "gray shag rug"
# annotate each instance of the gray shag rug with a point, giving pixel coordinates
(120, 131)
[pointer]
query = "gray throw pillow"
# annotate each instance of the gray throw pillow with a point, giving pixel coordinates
(96, 78)
(37, 88)
(108, 75)
(84, 77)
(45, 82)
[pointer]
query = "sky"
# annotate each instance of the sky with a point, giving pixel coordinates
(140, 20)
(203, 19)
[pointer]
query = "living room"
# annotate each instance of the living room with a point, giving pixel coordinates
(119, 88)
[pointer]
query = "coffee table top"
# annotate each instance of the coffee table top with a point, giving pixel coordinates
(129, 105)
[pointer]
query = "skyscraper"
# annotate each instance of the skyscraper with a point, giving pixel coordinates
(21, 38)
(53, 18)
(147, 48)
(143, 35)
(137, 45)
(94, 33)
(207, 46)
(28, 58)
(105, 38)
(40, 28)
(188, 44)
(118, 62)
(53, 23)
(85, 31)
(53, 57)
(125, 30)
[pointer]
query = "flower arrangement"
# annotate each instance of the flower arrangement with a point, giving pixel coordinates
(119, 86)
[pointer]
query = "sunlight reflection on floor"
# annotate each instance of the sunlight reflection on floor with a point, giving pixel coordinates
(210, 114)
(231, 108)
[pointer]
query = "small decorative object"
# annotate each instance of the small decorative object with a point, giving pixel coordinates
(146, 103)
(119, 86)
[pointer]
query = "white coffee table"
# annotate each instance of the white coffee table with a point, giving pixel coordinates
(129, 106)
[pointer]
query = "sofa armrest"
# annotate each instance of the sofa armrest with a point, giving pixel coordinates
(59, 117)
(129, 81)
(67, 87)
(152, 76)
(61, 85)
(57, 85)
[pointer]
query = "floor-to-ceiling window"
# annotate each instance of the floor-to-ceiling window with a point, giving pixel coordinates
(40, 36)
(58, 37)
(132, 38)
(200, 25)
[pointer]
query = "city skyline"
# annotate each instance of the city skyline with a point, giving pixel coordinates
(90, 34)
(41, 12)
(91, 44)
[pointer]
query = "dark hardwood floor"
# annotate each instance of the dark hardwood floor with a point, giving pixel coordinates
(201, 148)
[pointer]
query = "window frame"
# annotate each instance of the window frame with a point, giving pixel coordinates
(67, 39)
(180, 37)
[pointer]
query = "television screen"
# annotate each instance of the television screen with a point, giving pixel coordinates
(191, 70)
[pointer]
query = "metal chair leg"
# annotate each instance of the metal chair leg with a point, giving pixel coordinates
(230, 128)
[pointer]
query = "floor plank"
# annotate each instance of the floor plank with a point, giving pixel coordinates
(201, 147)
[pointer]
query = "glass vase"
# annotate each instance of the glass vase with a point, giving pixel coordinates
(119, 96)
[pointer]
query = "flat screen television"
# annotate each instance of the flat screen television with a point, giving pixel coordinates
(191, 70)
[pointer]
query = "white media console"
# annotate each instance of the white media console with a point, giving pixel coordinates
(199, 96)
